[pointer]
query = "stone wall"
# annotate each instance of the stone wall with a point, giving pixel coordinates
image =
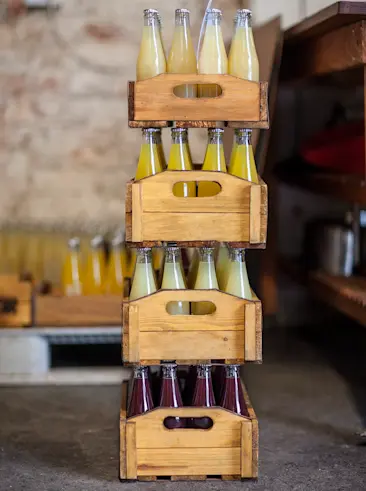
(65, 147)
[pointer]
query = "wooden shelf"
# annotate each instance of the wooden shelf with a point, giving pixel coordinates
(347, 188)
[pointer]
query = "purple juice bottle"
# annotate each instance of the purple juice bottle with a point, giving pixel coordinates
(233, 396)
(141, 399)
(203, 396)
(171, 396)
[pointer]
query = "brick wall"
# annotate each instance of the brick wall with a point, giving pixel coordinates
(65, 147)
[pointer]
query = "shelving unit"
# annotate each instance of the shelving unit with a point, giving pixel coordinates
(233, 332)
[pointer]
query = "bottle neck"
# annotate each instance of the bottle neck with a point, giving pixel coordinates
(169, 372)
(215, 137)
(179, 137)
(144, 256)
(182, 19)
(243, 137)
(150, 137)
(204, 371)
(173, 255)
(214, 17)
(243, 19)
(233, 371)
(141, 373)
(237, 255)
(207, 255)
(151, 19)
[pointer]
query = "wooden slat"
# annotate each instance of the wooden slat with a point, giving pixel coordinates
(137, 215)
(255, 449)
(131, 454)
(134, 340)
(10, 286)
(250, 334)
(255, 214)
(122, 449)
(246, 450)
(93, 310)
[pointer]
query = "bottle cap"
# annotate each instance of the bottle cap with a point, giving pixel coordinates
(74, 243)
(118, 240)
(216, 131)
(97, 241)
(182, 11)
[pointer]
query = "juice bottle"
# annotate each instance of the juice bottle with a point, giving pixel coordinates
(243, 59)
(233, 396)
(180, 159)
(214, 161)
(182, 57)
(171, 396)
(150, 158)
(242, 163)
(203, 395)
(173, 280)
(222, 264)
(144, 282)
(159, 143)
(151, 59)
(237, 280)
(114, 276)
(206, 280)
(71, 274)
(212, 58)
(94, 278)
(141, 399)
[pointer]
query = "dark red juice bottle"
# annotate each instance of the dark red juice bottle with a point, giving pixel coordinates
(203, 396)
(170, 395)
(141, 398)
(233, 397)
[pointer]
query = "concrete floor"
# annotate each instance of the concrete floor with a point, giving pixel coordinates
(309, 397)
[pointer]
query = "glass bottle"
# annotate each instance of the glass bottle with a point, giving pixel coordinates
(170, 395)
(150, 159)
(114, 276)
(180, 159)
(151, 60)
(214, 161)
(141, 399)
(206, 280)
(212, 58)
(144, 282)
(222, 264)
(173, 280)
(233, 396)
(243, 58)
(182, 57)
(159, 143)
(95, 268)
(71, 274)
(203, 395)
(242, 163)
(237, 282)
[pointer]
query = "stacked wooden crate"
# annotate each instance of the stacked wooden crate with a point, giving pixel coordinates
(237, 215)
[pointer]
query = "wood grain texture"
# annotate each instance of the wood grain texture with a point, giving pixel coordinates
(246, 457)
(240, 100)
(131, 457)
(93, 310)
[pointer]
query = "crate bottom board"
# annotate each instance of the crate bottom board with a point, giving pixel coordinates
(190, 478)
(229, 361)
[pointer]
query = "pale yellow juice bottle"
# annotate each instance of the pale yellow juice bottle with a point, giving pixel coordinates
(150, 162)
(180, 159)
(94, 277)
(212, 58)
(222, 264)
(214, 161)
(114, 277)
(151, 60)
(71, 273)
(243, 58)
(182, 57)
(237, 281)
(173, 279)
(206, 280)
(242, 162)
(144, 281)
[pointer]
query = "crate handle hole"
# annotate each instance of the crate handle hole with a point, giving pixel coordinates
(174, 423)
(206, 188)
(208, 91)
(203, 308)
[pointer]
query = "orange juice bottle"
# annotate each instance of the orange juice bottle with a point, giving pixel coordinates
(242, 163)
(206, 280)
(114, 276)
(182, 57)
(180, 159)
(150, 159)
(71, 274)
(237, 280)
(214, 161)
(243, 58)
(151, 60)
(212, 58)
(144, 281)
(95, 268)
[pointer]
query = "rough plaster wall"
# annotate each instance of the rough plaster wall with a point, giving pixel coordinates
(65, 148)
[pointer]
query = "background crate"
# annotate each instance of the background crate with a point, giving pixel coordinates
(232, 333)
(242, 103)
(238, 213)
(15, 302)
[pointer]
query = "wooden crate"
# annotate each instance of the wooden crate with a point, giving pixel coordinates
(237, 214)
(92, 310)
(149, 451)
(232, 333)
(242, 104)
(15, 302)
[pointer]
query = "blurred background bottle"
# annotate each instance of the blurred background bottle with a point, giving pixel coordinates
(72, 281)
(95, 267)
